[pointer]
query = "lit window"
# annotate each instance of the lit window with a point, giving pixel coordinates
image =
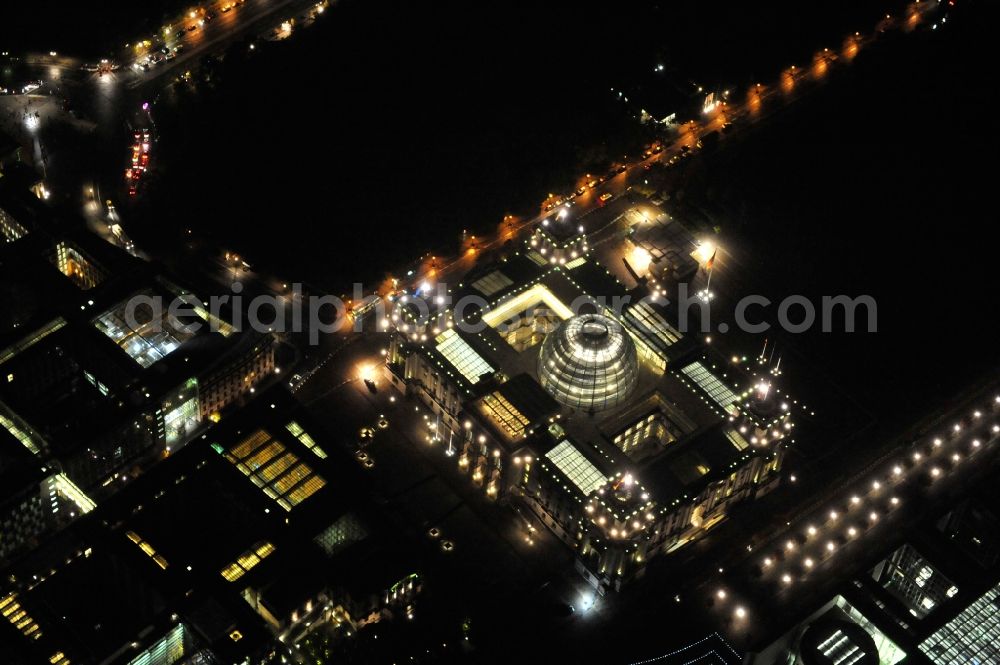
(147, 549)
(277, 471)
(146, 333)
(246, 561)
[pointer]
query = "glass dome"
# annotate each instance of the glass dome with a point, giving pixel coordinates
(588, 362)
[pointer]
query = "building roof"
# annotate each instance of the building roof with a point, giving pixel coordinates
(20, 471)
(687, 466)
(574, 465)
(529, 398)
(460, 355)
(93, 603)
(589, 362)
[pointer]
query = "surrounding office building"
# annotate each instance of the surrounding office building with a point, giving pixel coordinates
(288, 546)
(973, 636)
(99, 379)
(928, 594)
(24, 513)
(914, 581)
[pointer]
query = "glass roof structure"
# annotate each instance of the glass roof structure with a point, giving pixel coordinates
(588, 362)
(277, 471)
(587, 477)
(145, 333)
(346, 531)
(492, 283)
(247, 561)
(462, 356)
(720, 393)
(646, 321)
(510, 308)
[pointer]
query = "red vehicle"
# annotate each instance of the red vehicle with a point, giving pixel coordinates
(141, 149)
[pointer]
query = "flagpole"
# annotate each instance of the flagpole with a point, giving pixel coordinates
(706, 293)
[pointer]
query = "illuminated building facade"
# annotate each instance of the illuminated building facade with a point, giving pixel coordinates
(227, 380)
(927, 593)
(972, 636)
(622, 435)
(24, 513)
(238, 548)
(97, 378)
(10, 228)
(914, 581)
(73, 262)
(589, 363)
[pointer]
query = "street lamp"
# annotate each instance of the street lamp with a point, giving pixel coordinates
(366, 373)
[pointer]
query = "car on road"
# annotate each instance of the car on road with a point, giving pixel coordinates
(372, 388)
(581, 191)
(605, 197)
